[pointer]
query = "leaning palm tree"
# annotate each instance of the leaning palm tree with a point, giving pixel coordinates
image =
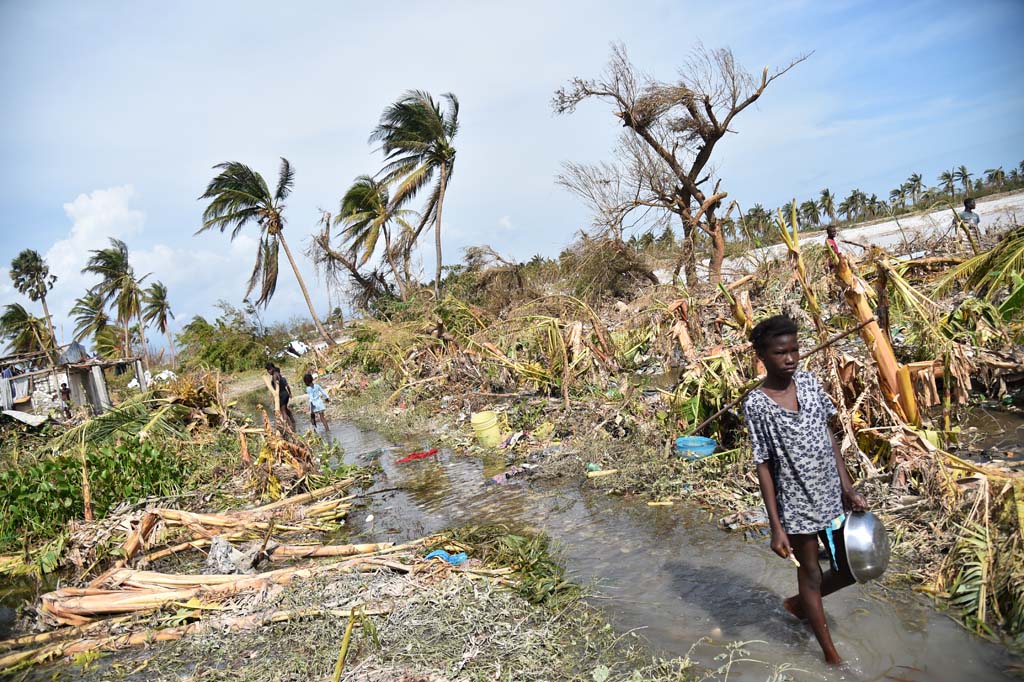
(119, 285)
(962, 175)
(239, 195)
(31, 276)
(156, 311)
(826, 203)
(417, 138)
(915, 185)
(948, 182)
(995, 176)
(367, 214)
(809, 213)
(90, 315)
(23, 331)
(898, 197)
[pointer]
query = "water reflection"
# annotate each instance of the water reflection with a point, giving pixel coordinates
(670, 571)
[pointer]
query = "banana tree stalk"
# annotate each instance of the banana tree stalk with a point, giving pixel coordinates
(903, 402)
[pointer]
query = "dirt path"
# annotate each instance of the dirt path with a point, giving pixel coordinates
(241, 384)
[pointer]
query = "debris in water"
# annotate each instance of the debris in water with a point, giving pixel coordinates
(417, 455)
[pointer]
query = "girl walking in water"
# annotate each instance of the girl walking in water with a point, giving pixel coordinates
(803, 478)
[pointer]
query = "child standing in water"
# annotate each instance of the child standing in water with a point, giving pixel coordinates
(317, 401)
(803, 478)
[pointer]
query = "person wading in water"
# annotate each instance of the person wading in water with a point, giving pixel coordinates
(803, 478)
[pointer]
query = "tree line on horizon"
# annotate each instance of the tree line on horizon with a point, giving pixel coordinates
(912, 195)
(118, 299)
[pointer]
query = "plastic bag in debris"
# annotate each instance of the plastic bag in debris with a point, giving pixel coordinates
(453, 559)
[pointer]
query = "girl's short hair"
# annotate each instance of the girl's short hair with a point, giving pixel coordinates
(766, 330)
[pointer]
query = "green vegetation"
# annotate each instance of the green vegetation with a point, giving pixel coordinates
(39, 498)
(231, 343)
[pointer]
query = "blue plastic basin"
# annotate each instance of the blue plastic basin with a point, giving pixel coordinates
(695, 447)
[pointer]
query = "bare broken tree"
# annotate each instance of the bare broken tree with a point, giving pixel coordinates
(672, 131)
(367, 286)
(614, 194)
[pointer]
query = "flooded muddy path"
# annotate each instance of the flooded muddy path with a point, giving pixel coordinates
(668, 572)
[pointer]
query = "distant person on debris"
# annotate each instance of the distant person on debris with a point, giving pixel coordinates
(803, 479)
(65, 400)
(830, 239)
(970, 222)
(317, 401)
(284, 391)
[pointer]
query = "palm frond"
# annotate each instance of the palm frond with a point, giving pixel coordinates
(264, 272)
(285, 180)
(141, 414)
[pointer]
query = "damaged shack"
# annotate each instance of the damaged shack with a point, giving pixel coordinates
(30, 382)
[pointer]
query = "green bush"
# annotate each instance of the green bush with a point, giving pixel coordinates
(231, 343)
(37, 500)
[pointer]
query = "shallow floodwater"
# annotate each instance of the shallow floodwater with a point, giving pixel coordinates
(669, 572)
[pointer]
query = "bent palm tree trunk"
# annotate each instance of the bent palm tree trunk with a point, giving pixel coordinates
(49, 322)
(394, 266)
(170, 346)
(305, 292)
(142, 339)
(437, 230)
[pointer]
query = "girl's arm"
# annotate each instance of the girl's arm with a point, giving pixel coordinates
(851, 497)
(780, 541)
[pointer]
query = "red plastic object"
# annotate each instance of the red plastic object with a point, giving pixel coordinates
(417, 455)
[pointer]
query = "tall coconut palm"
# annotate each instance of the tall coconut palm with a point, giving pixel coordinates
(367, 214)
(875, 206)
(418, 138)
(23, 331)
(31, 276)
(995, 176)
(947, 181)
(915, 185)
(826, 202)
(962, 175)
(239, 195)
(898, 197)
(156, 311)
(855, 204)
(119, 285)
(809, 213)
(90, 315)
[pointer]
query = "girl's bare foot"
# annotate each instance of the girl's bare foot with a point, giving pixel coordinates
(794, 606)
(832, 657)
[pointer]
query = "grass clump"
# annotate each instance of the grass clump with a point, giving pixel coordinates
(541, 578)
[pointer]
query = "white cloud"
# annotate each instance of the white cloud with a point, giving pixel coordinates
(196, 277)
(505, 222)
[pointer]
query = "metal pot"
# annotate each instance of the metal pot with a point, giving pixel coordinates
(867, 546)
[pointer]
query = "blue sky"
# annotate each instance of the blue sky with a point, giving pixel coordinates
(115, 112)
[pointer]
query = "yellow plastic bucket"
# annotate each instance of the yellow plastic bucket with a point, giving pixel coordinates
(485, 425)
